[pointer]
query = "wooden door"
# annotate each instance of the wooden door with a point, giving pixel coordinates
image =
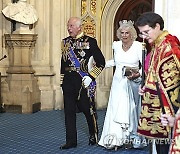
(131, 10)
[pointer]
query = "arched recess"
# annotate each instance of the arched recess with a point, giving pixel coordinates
(107, 33)
(106, 38)
(112, 12)
(131, 10)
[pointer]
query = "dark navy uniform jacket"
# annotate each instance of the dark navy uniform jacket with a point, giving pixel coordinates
(88, 53)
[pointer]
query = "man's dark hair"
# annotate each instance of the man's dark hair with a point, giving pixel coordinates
(150, 18)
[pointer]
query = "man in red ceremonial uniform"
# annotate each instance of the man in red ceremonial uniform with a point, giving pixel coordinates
(161, 89)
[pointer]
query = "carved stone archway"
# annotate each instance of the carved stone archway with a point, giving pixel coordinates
(131, 10)
(113, 11)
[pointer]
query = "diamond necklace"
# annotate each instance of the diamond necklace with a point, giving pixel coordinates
(126, 46)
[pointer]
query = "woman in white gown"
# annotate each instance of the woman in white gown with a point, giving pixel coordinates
(122, 111)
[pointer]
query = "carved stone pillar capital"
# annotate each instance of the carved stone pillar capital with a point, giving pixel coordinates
(19, 48)
(20, 40)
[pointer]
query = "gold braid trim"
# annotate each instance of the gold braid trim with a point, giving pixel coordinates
(177, 61)
(160, 38)
(61, 78)
(95, 71)
(65, 49)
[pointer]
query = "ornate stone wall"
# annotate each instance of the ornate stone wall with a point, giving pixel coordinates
(98, 20)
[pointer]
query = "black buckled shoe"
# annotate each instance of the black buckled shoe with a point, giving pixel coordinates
(68, 146)
(127, 146)
(92, 140)
(115, 148)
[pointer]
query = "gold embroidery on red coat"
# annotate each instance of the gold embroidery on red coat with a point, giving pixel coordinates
(170, 73)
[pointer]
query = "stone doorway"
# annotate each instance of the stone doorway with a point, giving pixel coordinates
(131, 10)
(113, 12)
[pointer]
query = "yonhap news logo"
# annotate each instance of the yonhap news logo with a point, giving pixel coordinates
(110, 141)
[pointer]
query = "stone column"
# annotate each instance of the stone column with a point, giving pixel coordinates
(24, 93)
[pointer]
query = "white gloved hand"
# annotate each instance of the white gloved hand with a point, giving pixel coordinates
(86, 80)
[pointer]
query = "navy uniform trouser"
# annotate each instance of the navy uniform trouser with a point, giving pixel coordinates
(71, 86)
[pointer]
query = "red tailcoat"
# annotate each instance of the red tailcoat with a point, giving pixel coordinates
(163, 68)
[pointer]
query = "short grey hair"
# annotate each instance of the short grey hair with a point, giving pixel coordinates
(127, 24)
(77, 21)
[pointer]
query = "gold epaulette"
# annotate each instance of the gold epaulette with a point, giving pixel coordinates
(64, 46)
(95, 71)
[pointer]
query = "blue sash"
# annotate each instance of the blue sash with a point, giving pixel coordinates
(73, 58)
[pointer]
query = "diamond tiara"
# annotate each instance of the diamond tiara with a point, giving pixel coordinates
(126, 22)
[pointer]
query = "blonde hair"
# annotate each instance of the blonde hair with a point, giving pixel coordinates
(127, 24)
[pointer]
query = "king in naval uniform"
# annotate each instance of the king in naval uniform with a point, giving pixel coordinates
(81, 63)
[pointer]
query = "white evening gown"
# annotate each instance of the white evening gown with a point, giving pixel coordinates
(119, 117)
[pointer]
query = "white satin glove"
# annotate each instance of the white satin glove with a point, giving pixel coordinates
(110, 63)
(86, 80)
